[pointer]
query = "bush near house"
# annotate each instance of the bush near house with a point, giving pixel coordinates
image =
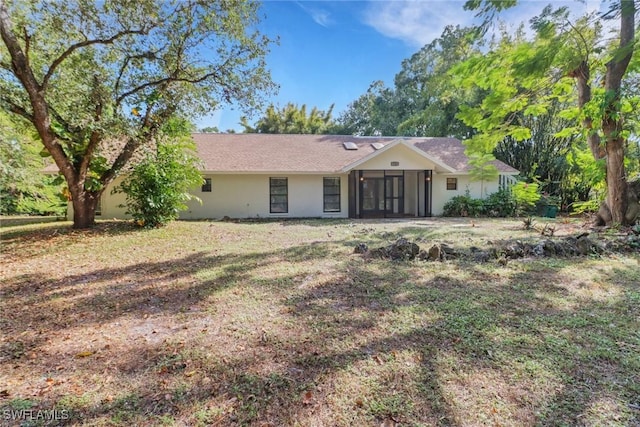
(499, 204)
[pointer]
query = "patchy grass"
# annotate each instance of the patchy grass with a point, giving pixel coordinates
(279, 323)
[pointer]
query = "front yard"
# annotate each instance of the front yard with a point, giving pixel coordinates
(280, 323)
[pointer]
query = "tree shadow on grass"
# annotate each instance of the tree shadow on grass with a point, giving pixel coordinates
(378, 341)
(131, 287)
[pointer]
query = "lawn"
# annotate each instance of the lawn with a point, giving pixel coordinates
(280, 324)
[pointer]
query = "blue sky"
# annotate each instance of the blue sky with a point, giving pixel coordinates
(331, 51)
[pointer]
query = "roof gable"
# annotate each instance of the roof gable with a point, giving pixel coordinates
(407, 155)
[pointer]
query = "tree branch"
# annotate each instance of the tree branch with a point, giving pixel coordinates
(172, 79)
(27, 43)
(82, 44)
(125, 155)
(95, 137)
(584, 41)
(617, 66)
(145, 55)
(582, 77)
(17, 109)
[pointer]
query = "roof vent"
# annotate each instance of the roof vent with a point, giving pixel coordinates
(350, 145)
(377, 145)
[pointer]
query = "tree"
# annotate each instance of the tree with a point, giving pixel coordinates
(563, 52)
(430, 100)
(422, 101)
(482, 169)
(378, 112)
(548, 158)
(24, 189)
(99, 79)
(210, 129)
(291, 119)
(158, 187)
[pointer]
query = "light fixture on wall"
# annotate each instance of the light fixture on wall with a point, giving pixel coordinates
(427, 178)
(362, 178)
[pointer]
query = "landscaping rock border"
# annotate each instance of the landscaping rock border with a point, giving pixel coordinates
(584, 244)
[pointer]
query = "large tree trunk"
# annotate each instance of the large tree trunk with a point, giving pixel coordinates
(618, 195)
(582, 76)
(617, 198)
(84, 208)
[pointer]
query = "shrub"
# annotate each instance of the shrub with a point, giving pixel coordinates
(588, 206)
(500, 204)
(463, 206)
(157, 189)
(526, 195)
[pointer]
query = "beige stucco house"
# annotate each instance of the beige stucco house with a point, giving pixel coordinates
(276, 176)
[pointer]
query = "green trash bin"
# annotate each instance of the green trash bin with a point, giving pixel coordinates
(550, 211)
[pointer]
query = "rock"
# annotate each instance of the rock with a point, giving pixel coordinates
(400, 250)
(403, 249)
(516, 249)
(435, 253)
(378, 253)
(448, 251)
(584, 246)
(538, 250)
(361, 248)
(569, 245)
(549, 247)
(481, 256)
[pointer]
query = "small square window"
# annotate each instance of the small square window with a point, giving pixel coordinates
(452, 183)
(206, 187)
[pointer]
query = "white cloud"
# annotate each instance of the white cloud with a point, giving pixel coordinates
(416, 22)
(419, 22)
(320, 16)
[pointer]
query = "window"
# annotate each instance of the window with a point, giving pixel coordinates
(206, 187)
(279, 195)
(452, 183)
(331, 190)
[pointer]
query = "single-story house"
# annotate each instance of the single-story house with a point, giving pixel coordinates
(288, 176)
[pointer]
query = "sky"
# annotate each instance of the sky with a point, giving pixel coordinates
(330, 52)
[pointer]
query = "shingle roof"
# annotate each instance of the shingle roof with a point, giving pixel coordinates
(313, 153)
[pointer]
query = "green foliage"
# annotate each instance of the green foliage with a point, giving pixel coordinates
(378, 112)
(103, 77)
(564, 63)
(463, 206)
(526, 196)
(528, 223)
(500, 204)
(291, 120)
(210, 129)
(547, 157)
(422, 101)
(482, 169)
(24, 189)
(158, 188)
(588, 206)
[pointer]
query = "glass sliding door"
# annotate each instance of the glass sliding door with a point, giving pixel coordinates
(372, 196)
(381, 194)
(394, 195)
